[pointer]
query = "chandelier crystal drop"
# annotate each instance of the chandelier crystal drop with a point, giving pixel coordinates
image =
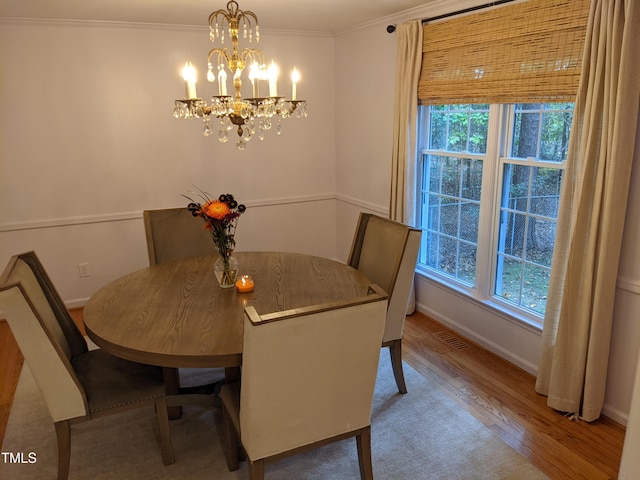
(251, 116)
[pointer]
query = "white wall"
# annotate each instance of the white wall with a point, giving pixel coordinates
(88, 141)
(365, 76)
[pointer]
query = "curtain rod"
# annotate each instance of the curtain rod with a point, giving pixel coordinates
(392, 28)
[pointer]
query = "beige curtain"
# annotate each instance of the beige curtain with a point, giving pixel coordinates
(577, 326)
(402, 205)
(403, 167)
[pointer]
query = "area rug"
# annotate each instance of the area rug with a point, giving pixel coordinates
(420, 435)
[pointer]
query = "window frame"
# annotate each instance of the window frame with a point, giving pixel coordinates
(499, 143)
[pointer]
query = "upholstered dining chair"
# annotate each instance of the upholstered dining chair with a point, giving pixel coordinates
(387, 252)
(308, 377)
(173, 233)
(77, 384)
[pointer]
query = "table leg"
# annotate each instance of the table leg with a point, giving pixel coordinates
(172, 380)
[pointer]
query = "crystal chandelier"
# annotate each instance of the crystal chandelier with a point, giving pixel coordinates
(250, 116)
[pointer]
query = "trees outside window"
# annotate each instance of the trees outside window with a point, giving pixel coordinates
(490, 180)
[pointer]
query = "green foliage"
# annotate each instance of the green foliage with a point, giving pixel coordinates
(459, 128)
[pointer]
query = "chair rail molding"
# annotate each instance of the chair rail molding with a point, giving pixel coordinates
(136, 215)
(362, 204)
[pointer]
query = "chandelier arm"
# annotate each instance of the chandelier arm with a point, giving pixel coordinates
(221, 52)
(233, 15)
(214, 15)
(252, 54)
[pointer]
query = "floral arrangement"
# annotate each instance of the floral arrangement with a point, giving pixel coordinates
(220, 218)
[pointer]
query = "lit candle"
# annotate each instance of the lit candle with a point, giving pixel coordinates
(273, 80)
(254, 76)
(222, 81)
(245, 284)
(295, 78)
(263, 73)
(189, 76)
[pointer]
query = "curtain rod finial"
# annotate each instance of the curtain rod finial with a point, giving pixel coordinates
(391, 28)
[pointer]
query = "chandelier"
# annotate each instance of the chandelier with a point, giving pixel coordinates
(250, 116)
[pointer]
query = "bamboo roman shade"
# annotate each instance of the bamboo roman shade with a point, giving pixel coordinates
(525, 52)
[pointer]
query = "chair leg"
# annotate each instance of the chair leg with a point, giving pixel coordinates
(233, 442)
(256, 470)
(162, 413)
(363, 442)
(63, 434)
(395, 350)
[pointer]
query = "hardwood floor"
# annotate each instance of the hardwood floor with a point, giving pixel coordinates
(503, 398)
(497, 393)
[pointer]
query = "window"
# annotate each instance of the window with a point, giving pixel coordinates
(490, 180)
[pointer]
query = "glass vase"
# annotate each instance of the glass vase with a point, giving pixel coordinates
(226, 271)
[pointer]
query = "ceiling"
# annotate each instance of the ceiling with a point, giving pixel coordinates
(300, 15)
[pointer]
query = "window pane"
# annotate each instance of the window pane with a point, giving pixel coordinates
(545, 191)
(516, 186)
(458, 128)
(527, 234)
(429, 250)
(449, 219)
(541, 131)
(556, 126)
(469, 213)
(525, 131)
(529, 203)
(540, 241)
(536, 286)
(478, 131)
(509, 279)
(512, 232)
(438, 131)
(449, 216)
(471, 179)
(447, 256)
(450, 176)
(467, 264)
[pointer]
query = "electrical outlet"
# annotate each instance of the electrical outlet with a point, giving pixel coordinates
(83, 270)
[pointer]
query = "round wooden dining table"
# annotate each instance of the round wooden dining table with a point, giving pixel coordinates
(175, 314)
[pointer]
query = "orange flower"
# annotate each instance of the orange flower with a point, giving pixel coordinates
(216, 209)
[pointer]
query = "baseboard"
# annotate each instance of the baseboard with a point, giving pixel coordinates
(615, 414)
(76, 303)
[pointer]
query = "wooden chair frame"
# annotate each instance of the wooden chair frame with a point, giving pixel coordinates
(398, 294)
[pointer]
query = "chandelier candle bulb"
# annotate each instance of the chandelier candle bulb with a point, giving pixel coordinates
(295, 78)
(189, 76)
(273, 79)
(222, 81)
(245, 284)
(254, 76)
